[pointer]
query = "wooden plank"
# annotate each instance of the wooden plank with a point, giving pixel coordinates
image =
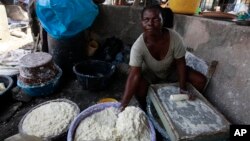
(211, 70)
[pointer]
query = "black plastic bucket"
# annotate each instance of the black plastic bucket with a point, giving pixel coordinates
(94, 74)
(68, 52)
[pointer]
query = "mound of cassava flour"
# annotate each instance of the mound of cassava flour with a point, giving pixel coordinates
(129, 125)
(49, 120)
(99, 126)
(132, 125)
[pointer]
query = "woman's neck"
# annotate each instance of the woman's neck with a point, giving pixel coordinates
(154, 37)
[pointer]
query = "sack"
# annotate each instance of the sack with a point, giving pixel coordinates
(65, 18)
(112, 46)
(196, 63)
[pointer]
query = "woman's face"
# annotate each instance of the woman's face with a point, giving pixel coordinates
(151, 21)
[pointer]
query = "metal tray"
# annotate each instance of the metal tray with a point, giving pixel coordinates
(242, 22)
(218, 15)
(188, 120)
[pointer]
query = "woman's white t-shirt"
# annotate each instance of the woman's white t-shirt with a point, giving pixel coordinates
(140, 55)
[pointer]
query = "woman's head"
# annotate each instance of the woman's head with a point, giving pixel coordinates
(151, 19)
(164, 14)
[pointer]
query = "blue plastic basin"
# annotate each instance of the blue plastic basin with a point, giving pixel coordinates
(94, 74)
(41, 89)
(95, 109)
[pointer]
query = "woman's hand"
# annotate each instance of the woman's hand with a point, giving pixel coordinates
(122, 106)
(191, 96)
(181, 69)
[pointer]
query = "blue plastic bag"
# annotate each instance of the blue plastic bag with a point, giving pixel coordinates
(66, 18)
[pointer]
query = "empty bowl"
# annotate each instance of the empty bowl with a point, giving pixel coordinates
(94, 74)
(6, 83)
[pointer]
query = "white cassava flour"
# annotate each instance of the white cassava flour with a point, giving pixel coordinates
(99, 126)
(49, 120)
(108, 125)
(132, 125)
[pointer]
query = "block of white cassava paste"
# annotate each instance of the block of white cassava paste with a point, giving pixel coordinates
(178, 97)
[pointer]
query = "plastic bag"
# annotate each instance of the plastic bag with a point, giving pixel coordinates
(196, 63)
(111, 47)
(66, 18)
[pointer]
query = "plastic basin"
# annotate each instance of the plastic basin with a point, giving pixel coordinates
(43, 88)
(8, 83)
(94, 74)
(54, 137)
(94, 109)
(183, 6)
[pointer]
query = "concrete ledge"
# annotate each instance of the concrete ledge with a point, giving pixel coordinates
(210, 39)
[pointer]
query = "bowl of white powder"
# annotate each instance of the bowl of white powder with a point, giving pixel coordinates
(49, 120)
(104, 122)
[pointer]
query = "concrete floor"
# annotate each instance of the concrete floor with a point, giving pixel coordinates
(70, 89)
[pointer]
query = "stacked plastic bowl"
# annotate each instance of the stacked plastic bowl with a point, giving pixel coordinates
(39, 75)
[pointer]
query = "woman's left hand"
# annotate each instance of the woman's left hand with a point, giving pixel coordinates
(191, 96)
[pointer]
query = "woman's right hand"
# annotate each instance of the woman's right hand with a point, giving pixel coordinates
(131, 86)
(122, 106)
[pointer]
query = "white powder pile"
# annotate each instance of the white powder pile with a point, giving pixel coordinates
(99, 126)
(129, 125)
(132, 125)
(49, 120)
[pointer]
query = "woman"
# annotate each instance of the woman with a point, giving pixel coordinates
(158, 55)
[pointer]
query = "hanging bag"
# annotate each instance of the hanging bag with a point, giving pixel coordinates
(65, 18)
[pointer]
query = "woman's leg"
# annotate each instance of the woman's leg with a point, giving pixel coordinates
(197, 79)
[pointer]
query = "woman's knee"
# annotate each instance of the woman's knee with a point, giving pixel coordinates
(197, 79)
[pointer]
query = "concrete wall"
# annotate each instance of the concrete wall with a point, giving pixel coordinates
(211, 40)
(229, 44)
(118, 21)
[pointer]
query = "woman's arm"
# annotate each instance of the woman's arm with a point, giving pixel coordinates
(181, 68)
(131, 85)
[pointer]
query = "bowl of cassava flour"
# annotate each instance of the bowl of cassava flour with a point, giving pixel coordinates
(104, 122)
(49, 120)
